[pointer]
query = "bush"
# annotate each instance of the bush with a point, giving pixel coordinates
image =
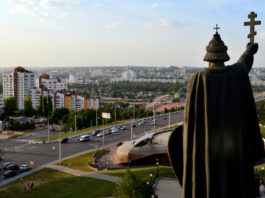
(132, 187)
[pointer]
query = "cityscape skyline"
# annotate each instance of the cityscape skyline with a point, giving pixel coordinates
(47, 33)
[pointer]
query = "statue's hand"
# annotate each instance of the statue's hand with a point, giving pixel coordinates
(252, 47)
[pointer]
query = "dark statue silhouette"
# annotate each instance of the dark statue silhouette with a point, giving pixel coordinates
(214, 152)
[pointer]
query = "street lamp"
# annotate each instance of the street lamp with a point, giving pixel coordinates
(262, 172)
(157, 164)
(60, 148)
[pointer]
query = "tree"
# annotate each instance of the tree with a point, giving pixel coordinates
(28, 109)
(10, 106)
(49, 105)
(39, 108)
(132, 187)
(44, 106)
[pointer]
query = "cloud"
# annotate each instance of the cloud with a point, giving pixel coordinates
(111, 26)
(163, 22)
(262, 35)
(48, 4)
(31, 2)
(98, 4)
(21, 9)
(155, 5)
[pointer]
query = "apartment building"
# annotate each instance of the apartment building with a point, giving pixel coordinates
(52, 83)
(8, 84)
(1, 102)
(18, 84)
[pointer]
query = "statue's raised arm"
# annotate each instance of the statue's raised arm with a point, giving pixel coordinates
(247, 57)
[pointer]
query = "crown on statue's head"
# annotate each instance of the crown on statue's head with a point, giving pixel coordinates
(216, 50)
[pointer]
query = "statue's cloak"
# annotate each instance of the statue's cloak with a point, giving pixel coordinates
(221, 136)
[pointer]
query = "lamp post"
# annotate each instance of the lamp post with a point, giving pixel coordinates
(75, 121)
(169, 119)
(48, 130)
(60, 148)
(96, 116)
(157, 164)
(262, 172)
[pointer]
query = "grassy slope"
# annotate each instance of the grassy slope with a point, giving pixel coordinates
(54, 184)
(81, 162)
(144, 173)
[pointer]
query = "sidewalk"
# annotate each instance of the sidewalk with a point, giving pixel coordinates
(85, 174)
(168, 188)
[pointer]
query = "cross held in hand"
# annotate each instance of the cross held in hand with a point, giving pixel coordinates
(216, 28)
(252, 24)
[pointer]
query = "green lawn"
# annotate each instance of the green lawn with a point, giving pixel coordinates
(50, 183)
(81, 162)
(144, 173)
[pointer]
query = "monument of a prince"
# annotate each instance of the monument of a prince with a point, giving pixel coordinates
(214, 152)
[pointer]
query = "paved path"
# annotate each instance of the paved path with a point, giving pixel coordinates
(168, 188)
(85, 174)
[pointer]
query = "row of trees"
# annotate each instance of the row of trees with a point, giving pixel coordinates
(44, 109)
(17, 126)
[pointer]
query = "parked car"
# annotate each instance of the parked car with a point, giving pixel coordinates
(6, 165)
(119, 144)
(133, 125)
(13, 167)
(10, 173)
(84, 138)
(24, 168)
(64, 140)
(94, 133)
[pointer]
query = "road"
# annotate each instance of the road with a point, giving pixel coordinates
(19, 152)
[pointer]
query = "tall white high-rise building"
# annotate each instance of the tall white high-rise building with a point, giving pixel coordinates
(8, 85)
(18, 84)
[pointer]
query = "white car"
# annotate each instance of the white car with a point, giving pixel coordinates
(100, 134)
(114, 130)
(84, 138)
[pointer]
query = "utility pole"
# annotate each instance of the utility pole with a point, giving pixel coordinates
(48, 131)
(75, 121)
(115, 114)
(131, 131)
(96, 117)
(169, 119)
(154, 120)
(60, 148)
(103, 137)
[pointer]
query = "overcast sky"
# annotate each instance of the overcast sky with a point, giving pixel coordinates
(123, 32)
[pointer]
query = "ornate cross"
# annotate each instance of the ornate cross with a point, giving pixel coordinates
(216, 28)
(252, 24)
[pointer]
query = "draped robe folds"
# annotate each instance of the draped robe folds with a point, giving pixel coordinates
(221, 137)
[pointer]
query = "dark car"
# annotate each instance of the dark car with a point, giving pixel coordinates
(6, 165)
(133, 125)
(64, 140)
(13, 167)
(119, 144)
(10, 173)
(24, 168)
(94, 133)
(108, 131)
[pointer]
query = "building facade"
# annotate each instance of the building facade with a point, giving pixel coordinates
(18, 84)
